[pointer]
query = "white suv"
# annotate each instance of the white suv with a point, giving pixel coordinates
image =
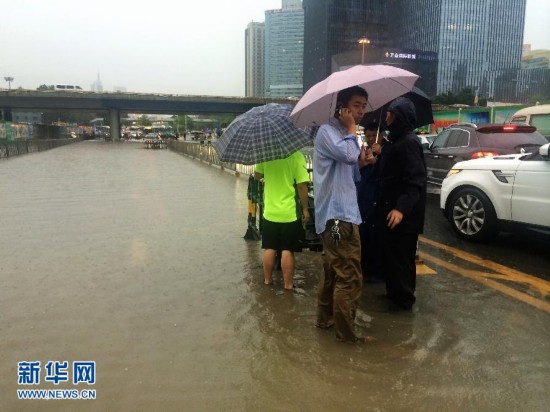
(481, 196)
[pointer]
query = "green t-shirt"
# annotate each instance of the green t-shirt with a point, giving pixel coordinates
(279, 194)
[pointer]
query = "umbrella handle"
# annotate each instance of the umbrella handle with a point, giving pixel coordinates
(378, 131)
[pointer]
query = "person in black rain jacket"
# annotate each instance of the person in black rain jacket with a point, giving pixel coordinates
(401, 202)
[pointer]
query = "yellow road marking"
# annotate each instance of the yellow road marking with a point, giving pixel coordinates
(423, 269)
(482, 277)
(503, 272)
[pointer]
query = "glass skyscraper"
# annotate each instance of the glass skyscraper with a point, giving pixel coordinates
(451, 44)
(475, 41)
(254, 60)
(332, 31)
(284, 50)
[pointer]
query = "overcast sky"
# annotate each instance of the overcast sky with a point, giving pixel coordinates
(163, 46)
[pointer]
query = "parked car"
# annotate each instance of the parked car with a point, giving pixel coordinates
(460, 142)
(134, 134)
(167, 135)
(480, 197)
(430, 137)
(197, 135)
(426, 140)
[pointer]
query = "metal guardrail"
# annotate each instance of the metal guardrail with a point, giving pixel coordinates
(155, 144)
(18, 147)
(207, 154)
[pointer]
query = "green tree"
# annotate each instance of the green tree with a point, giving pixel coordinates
(224, 120)
(464, 96)
(143, 120)
(446, 98)
(538, 99)
(181, 121)
(44, 87)
(69, 116)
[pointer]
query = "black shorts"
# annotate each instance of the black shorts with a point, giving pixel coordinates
(283, 236)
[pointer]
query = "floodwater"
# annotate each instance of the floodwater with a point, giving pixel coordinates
(135, 259)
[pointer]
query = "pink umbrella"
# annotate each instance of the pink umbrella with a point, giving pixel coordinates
(382, 83)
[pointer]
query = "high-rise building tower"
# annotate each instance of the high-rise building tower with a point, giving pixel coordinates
(451, 44)
(97, 86)
(332, 31)
(254, 60)
(289, 4)
(284, 50)
(475, 41)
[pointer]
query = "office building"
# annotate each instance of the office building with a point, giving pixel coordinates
(254, 59)
(451, 44)
(533, 80)
(521, 85)
(332, 30)
(292, 4)
(97, 86)
(535, 59)
(474, 41)
(284, 50)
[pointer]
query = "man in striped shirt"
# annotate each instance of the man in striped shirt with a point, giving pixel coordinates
(336, 160)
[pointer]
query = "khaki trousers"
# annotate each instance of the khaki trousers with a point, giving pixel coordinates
(341, 281)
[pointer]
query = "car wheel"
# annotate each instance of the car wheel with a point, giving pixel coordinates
(472, 215)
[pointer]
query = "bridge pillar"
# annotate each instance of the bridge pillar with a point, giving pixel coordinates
(114, 122)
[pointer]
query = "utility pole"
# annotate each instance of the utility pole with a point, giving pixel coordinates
(362, 42)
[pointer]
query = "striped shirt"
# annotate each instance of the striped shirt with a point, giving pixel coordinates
(335, 171)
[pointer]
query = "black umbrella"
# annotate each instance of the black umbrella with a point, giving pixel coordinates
(422, 104)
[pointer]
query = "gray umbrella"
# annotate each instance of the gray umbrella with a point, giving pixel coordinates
(262, 134)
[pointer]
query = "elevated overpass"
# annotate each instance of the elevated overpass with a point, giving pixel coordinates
(115, 103)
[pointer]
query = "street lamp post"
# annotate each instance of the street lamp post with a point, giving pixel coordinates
(9, 79)
(362, 42)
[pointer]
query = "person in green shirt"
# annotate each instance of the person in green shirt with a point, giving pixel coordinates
(282, 229)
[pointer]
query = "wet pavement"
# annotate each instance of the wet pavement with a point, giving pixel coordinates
(135, 259)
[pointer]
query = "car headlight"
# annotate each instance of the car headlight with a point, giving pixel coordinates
(453, 172)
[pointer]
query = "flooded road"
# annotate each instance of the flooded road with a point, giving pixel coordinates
(135, 259)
